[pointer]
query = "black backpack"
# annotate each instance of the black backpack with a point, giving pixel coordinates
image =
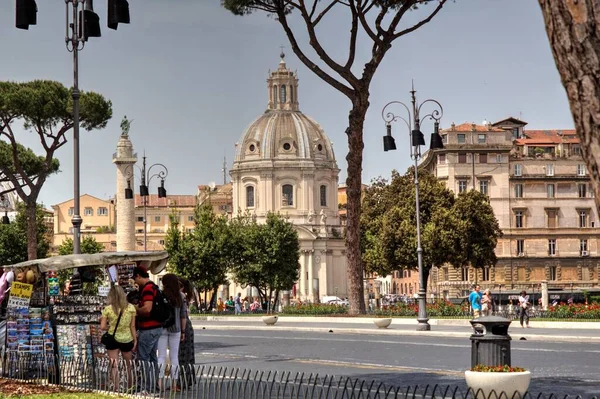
(162, 311)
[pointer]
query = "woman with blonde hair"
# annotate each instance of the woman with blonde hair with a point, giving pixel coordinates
(118, 320)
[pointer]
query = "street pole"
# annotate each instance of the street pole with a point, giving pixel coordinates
(74, 40)
(417, 140)
(422, 318)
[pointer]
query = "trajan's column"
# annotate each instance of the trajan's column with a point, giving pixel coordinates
(124, 159)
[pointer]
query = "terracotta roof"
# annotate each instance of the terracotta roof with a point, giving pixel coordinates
(171, 200)
(468, 127)
(555, 136)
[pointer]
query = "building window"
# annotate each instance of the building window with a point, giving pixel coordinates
(275, 94)
(291, 94)
(553, 273)
(550, 190)
(462, 186)
(190, 218)
(515, 132)
(282, 97)
(576, 149)
(550, 170)
(520, 247)
(485, 274)
(444, 138)
(583, 247)
(519, 219)
(518, 169)
(481, 139)
(483, 186)
(462, 158)
(442, 159)
(287, 195)
(140, 218)
(446, 274)
(482, 158)
(323, 195)
(70, 211)
(102, 211)
(157, 218)
(161, 242)
(464, 275)
(249, 196)
(460, 138)
(552, 215)
(88, 212)
(518, 190)
(583, 218)
(581, 190)
(552, 247)
(498, 158)
(580, 170)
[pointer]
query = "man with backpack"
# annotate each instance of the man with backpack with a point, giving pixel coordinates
(150, 325)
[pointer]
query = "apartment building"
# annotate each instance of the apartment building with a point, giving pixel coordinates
(541, 194)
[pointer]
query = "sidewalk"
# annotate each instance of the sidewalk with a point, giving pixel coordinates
(461, 328)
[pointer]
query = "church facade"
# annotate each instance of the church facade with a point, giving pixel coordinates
(285, 163)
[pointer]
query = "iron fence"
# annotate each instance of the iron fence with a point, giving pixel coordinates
(140, 379)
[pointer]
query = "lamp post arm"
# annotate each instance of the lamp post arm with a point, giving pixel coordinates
(436, 114)
(390, 117)
(161, 174)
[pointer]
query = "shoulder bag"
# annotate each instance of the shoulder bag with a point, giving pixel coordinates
(109, 339)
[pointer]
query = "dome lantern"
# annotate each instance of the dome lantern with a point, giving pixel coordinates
(282, 86)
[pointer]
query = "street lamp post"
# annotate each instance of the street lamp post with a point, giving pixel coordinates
(416, 141)
(146, 178)
(80, 26)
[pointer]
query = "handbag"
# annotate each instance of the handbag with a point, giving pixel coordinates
(109, 339)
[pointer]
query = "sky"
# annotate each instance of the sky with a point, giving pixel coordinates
(192, 76)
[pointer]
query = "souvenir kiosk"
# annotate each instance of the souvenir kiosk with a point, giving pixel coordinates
(56, 337)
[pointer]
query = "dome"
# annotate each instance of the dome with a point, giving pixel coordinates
(279, 134)
(282, 132)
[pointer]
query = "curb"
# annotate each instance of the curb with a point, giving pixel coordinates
(570, 325)
(393, 332)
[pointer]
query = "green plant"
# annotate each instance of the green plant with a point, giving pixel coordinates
(497, 369)
(315, 309)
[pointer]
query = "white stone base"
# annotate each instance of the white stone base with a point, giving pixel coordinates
(511, 384)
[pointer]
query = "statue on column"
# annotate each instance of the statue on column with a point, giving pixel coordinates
(323, 232)
(311, 216)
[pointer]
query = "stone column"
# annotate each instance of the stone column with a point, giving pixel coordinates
(302, 280)
(310, 295)
(545, 294)
(125, 159)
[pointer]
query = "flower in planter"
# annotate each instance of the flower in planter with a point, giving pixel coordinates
(497, 369)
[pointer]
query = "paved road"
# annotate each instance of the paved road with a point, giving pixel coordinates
(558, 367)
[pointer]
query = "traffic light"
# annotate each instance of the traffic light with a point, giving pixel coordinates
(89, 21)
(26, 13)
(118, 12)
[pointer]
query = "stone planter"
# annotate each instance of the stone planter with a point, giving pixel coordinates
(382, 323)
(484, 383)
(269, 320)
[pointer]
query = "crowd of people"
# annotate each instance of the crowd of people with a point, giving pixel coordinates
(239, 305)
(134, 327)
(484, 304)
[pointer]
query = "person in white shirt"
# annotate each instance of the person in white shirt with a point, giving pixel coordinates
(523, 306)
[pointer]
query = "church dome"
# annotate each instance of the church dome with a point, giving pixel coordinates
(283, 132)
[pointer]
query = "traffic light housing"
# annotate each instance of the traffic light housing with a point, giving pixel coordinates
(118, 12)
(26, 14)
(89, 21)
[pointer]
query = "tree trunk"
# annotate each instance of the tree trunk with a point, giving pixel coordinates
(31, 214)
(573, 28)
(353, 192)
(276, 301)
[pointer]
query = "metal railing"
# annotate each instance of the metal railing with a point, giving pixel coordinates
(139, 379)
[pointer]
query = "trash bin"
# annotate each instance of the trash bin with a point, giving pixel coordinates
(490, 342)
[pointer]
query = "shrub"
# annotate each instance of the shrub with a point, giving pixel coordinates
(497, 369)
(573, 311)
(315, 309)
(436, 309)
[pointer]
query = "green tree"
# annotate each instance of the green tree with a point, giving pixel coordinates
(204, 256)
(174, 243)
(89, 245)
(373, 21)
(45, 108)
(267, 257)
(13, 238)
(455, 230)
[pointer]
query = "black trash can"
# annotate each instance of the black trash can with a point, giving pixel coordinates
(490, 342)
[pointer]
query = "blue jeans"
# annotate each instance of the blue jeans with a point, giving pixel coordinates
(147, 346)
